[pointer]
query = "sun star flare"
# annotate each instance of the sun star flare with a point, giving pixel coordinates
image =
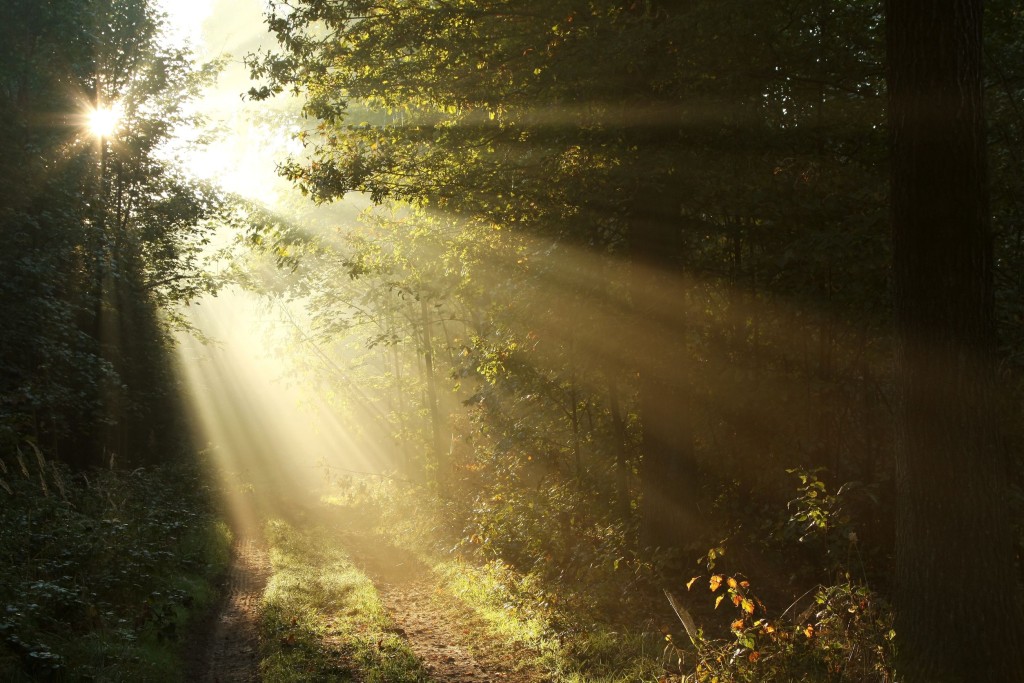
(103, 121)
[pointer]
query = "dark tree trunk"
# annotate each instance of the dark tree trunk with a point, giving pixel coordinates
(957, 598)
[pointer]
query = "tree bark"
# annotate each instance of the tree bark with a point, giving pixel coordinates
(958, 605)
(438, 456)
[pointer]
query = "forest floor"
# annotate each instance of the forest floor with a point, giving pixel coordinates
(449, 641)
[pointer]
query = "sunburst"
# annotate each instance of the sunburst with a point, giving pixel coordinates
(103, 121)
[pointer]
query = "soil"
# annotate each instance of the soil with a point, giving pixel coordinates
(440, 630)
(227, 647)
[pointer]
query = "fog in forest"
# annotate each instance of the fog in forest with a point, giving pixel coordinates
(507, 340)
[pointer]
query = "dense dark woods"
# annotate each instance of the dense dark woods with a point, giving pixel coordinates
(102, 233)
(647, 290)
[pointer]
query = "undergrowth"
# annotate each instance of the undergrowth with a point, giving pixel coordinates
(321, 618)
(837, 631)
(593, 609)
(102, 571)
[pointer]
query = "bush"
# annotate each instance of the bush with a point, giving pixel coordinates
(102, 571)
(840, 632)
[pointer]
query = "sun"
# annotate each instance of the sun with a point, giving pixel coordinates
(102, 121)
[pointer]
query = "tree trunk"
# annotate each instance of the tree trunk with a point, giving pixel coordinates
(958, 608)
(440, 466)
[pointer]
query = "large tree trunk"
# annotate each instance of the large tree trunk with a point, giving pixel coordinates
(957, 598)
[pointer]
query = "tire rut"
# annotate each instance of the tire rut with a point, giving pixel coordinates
(232, 646)
(448, 640)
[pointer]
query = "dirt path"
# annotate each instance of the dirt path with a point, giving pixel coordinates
(231, 648)
(440, 630)
(449, 641)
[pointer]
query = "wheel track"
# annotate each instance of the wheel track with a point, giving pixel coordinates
(445, 637)
(232, 649)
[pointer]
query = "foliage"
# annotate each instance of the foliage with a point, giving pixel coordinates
(844, 634)
(838, 630)
(103, 570)
(597, 258)
(105, 235)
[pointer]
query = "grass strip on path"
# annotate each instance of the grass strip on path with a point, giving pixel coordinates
(322, 619)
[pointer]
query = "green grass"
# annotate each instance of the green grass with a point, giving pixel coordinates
(507, 601)
(322, 619)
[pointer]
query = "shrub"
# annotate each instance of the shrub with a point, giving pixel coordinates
(102, 570)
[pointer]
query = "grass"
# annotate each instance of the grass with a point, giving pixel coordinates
(322, 619)
(508, 601)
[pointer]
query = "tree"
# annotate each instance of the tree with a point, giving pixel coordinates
(701, 142)
(954, 535)
(109, 232)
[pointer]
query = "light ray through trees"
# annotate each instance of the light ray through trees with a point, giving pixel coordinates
(269, 439)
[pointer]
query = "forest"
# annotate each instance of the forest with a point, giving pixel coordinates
(577, 340)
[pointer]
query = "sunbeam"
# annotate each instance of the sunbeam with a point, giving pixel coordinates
(271, 440)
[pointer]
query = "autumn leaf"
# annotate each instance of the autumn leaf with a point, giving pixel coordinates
(748, 606)
(754, 656)
(736, 600)
(809, 631)
(690, 582)
(732, 583)
(715, 582)
(736, 625)
(718, 601)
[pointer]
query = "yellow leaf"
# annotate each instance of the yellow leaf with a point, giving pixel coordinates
(732, 582)
(690, 582)
(748, 606)
(809, 631)
(715, 582)
(718, 601)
